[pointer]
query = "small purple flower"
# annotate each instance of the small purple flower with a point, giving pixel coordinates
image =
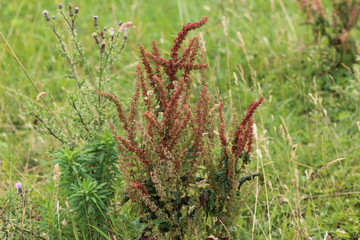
(76, 10)
(18, 185)
(60, 6)
(95, 18)
(46, 14)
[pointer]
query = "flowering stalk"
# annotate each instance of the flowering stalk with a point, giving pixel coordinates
(167, 156)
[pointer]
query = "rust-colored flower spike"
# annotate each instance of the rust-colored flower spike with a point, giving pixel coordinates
(182, 35)
(174, 64)
(222, 126)
(243, 136)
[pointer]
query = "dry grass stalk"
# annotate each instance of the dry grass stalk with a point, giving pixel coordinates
(322, 169)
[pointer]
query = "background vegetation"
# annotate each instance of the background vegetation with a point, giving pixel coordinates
(309, 118)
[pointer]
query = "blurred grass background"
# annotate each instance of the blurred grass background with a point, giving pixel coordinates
(280, 61)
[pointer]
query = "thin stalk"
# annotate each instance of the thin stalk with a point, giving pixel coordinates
(100, 76)
(78, 113)
(49, 130)
(78, 47)
(66, 55)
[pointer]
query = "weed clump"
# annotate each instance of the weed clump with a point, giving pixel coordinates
(336, 27)
(184, 178)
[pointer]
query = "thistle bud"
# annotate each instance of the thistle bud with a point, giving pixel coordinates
(53, 17)
(120, 23)
(102, 35)
(46, 14)
(60, 6)
(95, 18)
(76, 10)
(95, 36)
(71, 13)
(102, 47)
(105, 28)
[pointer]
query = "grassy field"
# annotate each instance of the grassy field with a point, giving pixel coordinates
(310, 116)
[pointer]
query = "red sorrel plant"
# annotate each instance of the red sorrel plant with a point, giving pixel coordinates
(336, 28)
(182, 185)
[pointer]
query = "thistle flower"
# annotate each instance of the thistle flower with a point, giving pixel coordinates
(111, 32)
(53, 17)
(76, 10)
(60, 6)
(18, 187)
(120, 23)
(46, 14)
(95, 18)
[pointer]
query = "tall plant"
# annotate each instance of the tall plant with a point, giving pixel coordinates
(184, 179)
(335, 27)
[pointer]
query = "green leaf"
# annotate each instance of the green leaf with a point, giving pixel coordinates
(101, 232)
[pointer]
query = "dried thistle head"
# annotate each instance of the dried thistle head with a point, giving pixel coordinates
(102, 47)
(124, 26)
(71, 13)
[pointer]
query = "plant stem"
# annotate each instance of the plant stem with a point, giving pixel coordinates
(66, 55)
(78, 113)
(50, 131)
(78, 47)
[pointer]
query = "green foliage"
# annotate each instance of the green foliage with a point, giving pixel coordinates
(53, 219)
(253, 47)
(75, 122)
(88, 177)
(335, 27)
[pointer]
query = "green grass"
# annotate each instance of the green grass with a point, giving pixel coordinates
(281, 63)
